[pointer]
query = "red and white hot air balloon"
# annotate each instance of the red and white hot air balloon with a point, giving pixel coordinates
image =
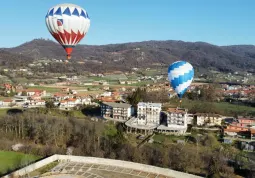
(68, 24)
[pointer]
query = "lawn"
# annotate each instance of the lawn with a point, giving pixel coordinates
(166, 139)
(12, 160)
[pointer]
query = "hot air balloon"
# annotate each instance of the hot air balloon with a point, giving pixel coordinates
(68, 24)
(180, 75)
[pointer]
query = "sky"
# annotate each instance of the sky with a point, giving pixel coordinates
(220, 22)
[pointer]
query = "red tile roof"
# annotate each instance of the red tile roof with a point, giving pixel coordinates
(7, 100)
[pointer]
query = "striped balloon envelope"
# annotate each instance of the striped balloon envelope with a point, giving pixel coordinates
(68, 24)
(180, 75)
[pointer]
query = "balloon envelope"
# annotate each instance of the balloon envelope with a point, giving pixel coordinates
(180, 75)
(68, 24)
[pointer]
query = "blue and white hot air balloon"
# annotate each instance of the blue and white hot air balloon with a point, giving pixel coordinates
(180, 75)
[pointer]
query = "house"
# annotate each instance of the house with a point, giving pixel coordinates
(148, 113)
(117, 111)
(84, 99)
(106, 88)
(65, 89)
(36, 103)
(7, 102)
(60, 96)
(246, 121)
(190, 119)
(208, 119)
(122, 82)
(107, 99)
(69, 103)
(106, 94)
(252, 134)
(20, 100)
(31, 92)
(234, 130)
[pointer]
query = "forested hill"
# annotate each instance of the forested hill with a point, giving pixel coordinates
(142, 54)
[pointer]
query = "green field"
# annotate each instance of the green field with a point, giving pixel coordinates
(13, 160)
(218, 107)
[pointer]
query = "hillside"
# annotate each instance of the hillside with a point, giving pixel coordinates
(144, 54)
(11, 59)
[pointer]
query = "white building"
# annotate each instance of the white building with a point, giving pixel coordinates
(176, 117)
(190, 119)
(116, 111)
(148, 113)
(106, 94)
(176, 120)
(69, 103)
(208, 119)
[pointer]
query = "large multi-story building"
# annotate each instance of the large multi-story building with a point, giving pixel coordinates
(117, 111)
(148, 113)
(176, 121)
(176, 116)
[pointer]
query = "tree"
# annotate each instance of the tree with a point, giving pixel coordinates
(50, 104)
(208, 93)
(136, 96)
(24, 93)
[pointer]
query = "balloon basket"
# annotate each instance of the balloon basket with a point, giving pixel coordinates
(180, 103)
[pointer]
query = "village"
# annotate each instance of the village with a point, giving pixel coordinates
(146, 118)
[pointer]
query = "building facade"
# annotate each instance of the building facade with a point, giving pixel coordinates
(176, 122)
(176, 117)
(204, 119)
(246, 121)
(148, 113)
(116, 111)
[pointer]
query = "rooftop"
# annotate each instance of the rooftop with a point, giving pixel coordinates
(78, 166)
(133, 123)
(117, 105)
(149, 104)
(172, 127)
(177, 110)
(208, 114)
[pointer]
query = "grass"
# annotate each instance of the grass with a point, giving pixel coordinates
(10, 161)
(78, 114)
(44, 169)
(223, 108)
(3, 112)
(166, 139)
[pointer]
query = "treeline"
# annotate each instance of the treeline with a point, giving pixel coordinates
(46, 135)
(142, 95)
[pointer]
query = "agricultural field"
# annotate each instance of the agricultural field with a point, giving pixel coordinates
(46, 88)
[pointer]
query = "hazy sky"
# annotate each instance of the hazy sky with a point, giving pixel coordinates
(220, 22)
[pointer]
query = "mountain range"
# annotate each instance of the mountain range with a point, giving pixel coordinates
(125, 56)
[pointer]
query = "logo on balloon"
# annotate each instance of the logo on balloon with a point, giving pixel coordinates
(60, 22)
